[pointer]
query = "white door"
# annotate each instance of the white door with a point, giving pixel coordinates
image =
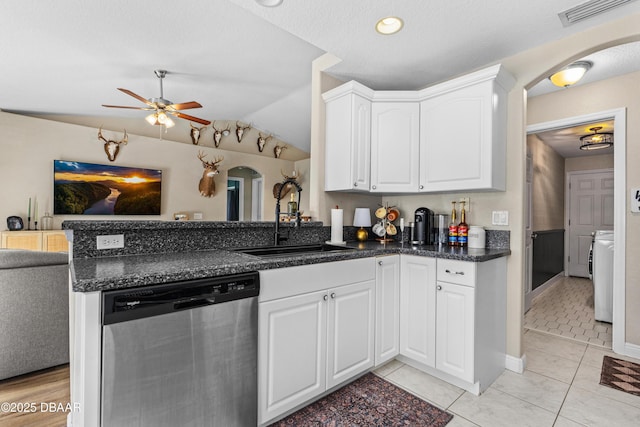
(350, 331)
(528, 235)
(387, 345)
(418, 308)
(454, 330)
(590, 208)
(395, 141)
(291, 342)
(256, 199)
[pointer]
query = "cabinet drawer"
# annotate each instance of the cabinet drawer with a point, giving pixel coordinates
(459, 272)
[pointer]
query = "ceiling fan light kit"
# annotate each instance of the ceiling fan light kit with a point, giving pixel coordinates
(596, 141)
(571, 74)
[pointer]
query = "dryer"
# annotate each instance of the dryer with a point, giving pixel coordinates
(603, 275)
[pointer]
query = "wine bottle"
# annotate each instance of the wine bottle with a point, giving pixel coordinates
(463, 228)
(453, 227)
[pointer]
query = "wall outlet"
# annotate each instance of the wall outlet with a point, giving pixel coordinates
(467, 203)
(114, 241)
(500, 218)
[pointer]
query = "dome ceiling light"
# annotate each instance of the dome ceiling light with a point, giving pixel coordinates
(269, 3)
(596, 141)
(570, 74)
(389, 25)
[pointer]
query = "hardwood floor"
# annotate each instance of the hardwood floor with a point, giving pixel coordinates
(39, 399)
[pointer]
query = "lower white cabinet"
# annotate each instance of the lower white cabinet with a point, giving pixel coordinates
(316, 339)
(387, 344)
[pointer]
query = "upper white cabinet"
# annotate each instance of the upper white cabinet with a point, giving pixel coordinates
(448, 137)
(348, 138)
(463, 133)
(395, 144)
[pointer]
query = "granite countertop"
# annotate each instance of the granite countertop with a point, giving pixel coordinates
(106, 273)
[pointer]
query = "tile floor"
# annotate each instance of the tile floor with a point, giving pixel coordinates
(566, 309)
(560, 387)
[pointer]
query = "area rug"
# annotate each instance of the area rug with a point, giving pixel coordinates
(368, 401)
(621, 375)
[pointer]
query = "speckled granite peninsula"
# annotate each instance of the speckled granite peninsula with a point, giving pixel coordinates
(165, 251)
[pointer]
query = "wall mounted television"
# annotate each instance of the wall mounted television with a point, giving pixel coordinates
(93, 189)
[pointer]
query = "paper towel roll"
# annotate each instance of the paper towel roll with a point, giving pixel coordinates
(336, 225)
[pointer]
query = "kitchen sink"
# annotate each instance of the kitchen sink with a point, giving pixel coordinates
(274, 251)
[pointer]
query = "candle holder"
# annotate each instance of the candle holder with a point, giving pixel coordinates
(35, 225)
(28, 223)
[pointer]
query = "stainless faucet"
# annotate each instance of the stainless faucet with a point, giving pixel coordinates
(277, 237)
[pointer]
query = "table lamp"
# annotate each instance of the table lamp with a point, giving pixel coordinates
(362, 218)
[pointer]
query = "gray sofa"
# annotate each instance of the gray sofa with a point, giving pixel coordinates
(34, 311)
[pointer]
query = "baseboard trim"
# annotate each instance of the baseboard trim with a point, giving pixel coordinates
(515, 364)
(632, 350)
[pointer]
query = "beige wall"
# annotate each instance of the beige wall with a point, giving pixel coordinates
(618, 92)
(604, 161)
(29, 146)
(547, 198)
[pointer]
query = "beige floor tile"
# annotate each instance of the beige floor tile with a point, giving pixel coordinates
(588, 378)
(458, 421)
(534, 388)
(593, 356)
(388, 367)
(593, 409)
(425, 386)
(494, 408)
(551, 366)
(554, 345)
(564, 422)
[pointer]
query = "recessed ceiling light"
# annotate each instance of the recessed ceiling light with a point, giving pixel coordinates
(389, 25)
(269, 3)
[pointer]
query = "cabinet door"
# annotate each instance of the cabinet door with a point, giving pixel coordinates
(457, 149)
(348, 143)
(454, 335)
(350, 326)
(29, 240)
(54, 241)
(387, 343)
(418, 308)
(292, 352)
(395, 130)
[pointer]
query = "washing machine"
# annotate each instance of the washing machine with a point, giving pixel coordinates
(603, 275)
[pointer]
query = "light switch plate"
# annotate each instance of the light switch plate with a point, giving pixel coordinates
(635, 200)
(500, 218)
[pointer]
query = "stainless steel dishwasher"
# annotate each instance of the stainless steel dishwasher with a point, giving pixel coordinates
(181, 354)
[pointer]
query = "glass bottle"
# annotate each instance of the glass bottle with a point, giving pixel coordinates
(453, 227)
(47, 222)
(292, 206)
(463, 228)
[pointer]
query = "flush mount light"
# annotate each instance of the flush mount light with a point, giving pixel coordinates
(389, 25)
(570, 74)
(596, 141)
(269, 3)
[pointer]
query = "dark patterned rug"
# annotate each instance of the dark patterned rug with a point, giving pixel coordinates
(621, 375)
(368, 401)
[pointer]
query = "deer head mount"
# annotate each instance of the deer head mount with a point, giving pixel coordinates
(240, 131)
(263, 140)
(277, 150)
(207, 185)
(219, 133)
(288, 186)
(111, 147)
(195, 133)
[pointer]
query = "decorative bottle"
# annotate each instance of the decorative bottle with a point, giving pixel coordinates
(463, 228)
(292, 206)
(453, 227)
(47, 222)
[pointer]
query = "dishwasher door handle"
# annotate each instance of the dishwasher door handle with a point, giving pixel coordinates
(193, 302)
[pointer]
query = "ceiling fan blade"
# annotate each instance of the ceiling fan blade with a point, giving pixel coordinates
(188, 117)
(136, 96)
(131, 108)
(184, 105)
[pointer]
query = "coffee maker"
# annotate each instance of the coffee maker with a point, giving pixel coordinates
(422, 231)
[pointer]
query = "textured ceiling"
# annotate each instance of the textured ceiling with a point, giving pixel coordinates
(62, 60)
(566, 142)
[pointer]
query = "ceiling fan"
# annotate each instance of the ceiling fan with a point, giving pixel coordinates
(162, 107)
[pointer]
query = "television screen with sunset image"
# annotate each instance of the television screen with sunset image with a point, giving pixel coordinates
(92, 189)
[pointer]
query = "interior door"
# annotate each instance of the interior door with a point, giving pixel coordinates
(590, 209)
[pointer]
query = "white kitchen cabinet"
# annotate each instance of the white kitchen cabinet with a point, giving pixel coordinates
(395, 144)
(418, 309)
(348, 138)
(387, 342)
(463, 133)
(316, 331)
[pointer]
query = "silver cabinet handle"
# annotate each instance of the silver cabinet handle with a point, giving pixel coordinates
(355, 184)
(457, 272)
(333, 295)
(379, 262)
(422, 187)
(373, 186)
(439, 287)
(325, 297)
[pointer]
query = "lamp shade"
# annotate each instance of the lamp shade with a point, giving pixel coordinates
(362, 217)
